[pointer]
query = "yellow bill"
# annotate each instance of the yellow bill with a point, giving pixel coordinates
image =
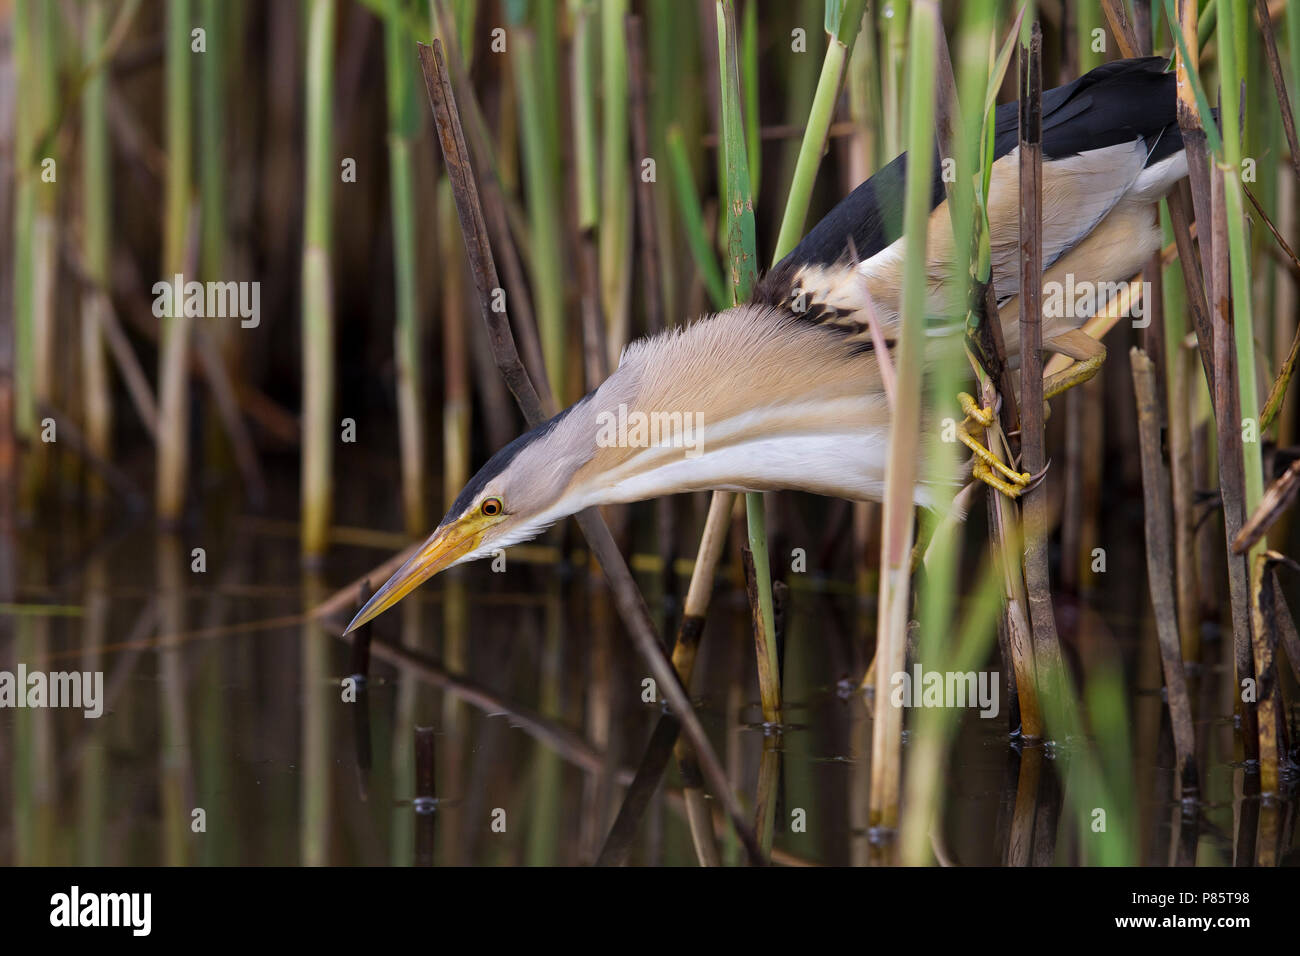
(443, 549)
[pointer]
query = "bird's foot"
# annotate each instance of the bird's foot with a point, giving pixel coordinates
(988, 468)
(972, 409)
(1012, 487)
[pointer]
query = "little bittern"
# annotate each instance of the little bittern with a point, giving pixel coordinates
(785, 392)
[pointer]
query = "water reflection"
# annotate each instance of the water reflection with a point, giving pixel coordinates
(502, 720)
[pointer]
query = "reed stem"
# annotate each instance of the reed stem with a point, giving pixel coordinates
(839, 48)
(174, 348)
(616, 202)
(317, 292)
(403, 128)
(902, 468)
(542, 173)
(97, 406)
(742, 261)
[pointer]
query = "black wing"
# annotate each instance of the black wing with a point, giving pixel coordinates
(1114, 103)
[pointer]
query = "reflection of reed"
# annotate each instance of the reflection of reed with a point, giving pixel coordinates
(176, 775)
(173, 354)
(455, 719)
(35, 784)
(93, 764)
(425, 794)
(318, 701)
(544, 824)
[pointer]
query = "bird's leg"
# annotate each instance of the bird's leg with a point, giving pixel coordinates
(988, 468)
(1081, 371)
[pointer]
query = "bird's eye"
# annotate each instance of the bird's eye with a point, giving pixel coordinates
(491, 507)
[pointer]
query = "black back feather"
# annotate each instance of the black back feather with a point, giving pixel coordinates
(1114, 103)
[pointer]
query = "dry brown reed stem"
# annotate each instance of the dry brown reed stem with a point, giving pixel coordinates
(1287, 633)
(1292, 261)
(1180, 217)
(1182, 484)
(1264, 600)
(646, 225)
(1160, 567)
(628, 598)
(1198, 164)
(1279, 496)
(1042, 617)
(1279, 83)
(700, 590)
(1232, 481)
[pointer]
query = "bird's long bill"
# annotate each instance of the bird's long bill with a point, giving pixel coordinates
(444, 547)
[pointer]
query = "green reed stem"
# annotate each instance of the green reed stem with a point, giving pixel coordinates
(212, 136)
(839, 48)
(173, 354)
(941, 637)
(615, 241)
(26, 131)
(742, 261)
(697, 236)
(583, 97)
(97, 407)
(1229, 29)
(893, 35)
(902, 470)
(749, 85)
(403, 129)
(317, 297)
(542, 173)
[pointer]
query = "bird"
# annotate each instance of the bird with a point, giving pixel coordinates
(784, 392)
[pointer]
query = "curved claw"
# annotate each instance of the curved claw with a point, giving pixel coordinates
(1035, 480)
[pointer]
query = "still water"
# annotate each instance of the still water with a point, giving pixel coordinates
(504, 716)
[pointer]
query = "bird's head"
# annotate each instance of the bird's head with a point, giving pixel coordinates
(542, 476)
